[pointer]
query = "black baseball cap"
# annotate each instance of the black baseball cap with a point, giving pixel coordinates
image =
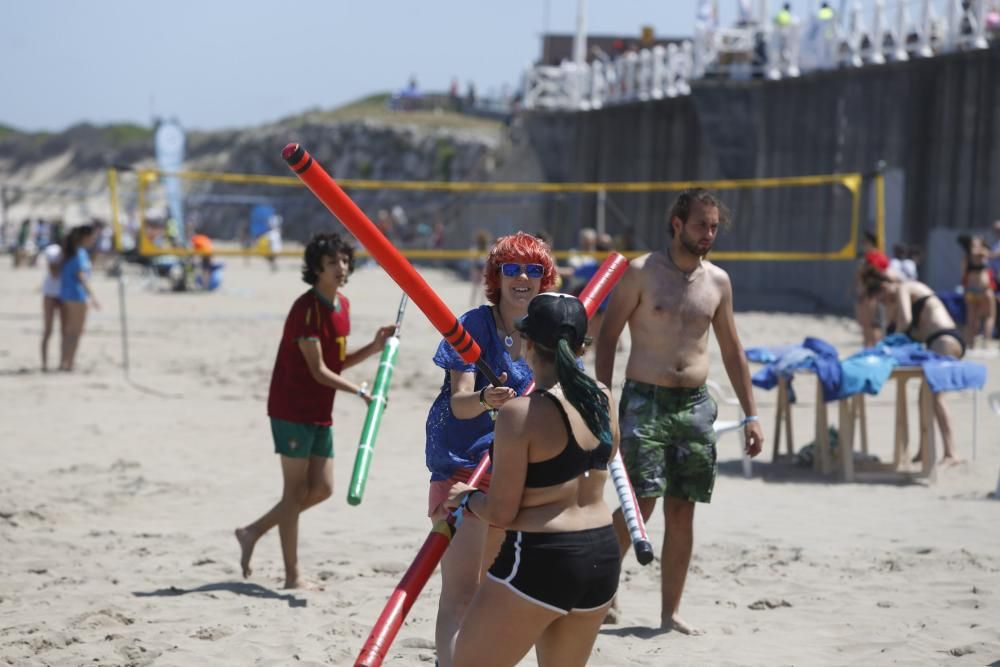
(552, 316)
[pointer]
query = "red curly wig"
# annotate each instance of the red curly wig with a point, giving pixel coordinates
(524, 249)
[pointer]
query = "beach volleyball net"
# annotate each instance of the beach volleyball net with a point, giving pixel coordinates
(799, 218)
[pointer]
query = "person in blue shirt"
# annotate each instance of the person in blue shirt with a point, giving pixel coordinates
(75, 290)
(460, 422)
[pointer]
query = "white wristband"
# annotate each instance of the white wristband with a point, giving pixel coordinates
(751, 418)
(361, 389)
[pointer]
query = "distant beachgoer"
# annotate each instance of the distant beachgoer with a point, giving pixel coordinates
(980, 287)
(75, 290)
(914, 309)
(478, 264)
(274, 241)
(307, 374)
(865, 306)
(24, 250)
(51, 306)
(902, 263)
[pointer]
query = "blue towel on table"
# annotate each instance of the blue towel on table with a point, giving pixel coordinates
(767, 355)
(864, 373)
(867, 371)
(792, 358)
(942, 373)
(949, 375)
(827, 367)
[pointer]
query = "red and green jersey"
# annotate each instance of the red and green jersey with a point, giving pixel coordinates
(294, 395)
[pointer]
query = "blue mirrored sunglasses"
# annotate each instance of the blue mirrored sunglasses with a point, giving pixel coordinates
(512, 270)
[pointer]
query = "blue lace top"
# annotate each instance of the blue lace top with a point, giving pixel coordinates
(459, 443)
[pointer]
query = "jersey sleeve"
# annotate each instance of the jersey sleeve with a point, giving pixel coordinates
(304, 320)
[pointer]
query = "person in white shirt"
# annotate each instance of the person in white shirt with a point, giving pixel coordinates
(50, 296)
(902, 263)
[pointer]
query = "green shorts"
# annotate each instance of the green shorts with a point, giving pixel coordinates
(668, 440)
(299, 441)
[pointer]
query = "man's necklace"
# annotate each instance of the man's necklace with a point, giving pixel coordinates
(688, 275)
(507, 340)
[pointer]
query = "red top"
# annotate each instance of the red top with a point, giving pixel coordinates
(294, 395)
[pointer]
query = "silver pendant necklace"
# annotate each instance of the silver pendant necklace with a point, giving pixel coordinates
(688, 276)
(507, 340)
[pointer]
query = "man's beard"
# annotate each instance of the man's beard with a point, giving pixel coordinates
(692, 247)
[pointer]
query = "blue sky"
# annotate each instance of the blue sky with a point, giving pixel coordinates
(228, 63)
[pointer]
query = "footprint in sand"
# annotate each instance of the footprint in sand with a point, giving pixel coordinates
(211, 634)
(102, 618)
(388, 567)
(768, 603)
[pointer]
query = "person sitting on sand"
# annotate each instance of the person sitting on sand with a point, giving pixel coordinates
(307, 374)
(914, 309)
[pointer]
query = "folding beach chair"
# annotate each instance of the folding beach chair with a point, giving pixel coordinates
(725, 396)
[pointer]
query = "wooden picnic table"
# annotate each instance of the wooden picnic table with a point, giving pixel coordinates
(852, 412)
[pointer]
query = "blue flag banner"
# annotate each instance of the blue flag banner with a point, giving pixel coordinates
(260, 220)
(169, 143)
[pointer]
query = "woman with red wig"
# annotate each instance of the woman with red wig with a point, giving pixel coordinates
(460, 422)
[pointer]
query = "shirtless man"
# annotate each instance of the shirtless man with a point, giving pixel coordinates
(669, 298)
(914, 309)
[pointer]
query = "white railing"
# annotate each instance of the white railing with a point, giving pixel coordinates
(650, 74)
(892, 31)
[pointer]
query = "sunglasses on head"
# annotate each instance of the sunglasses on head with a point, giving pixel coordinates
(513, 269)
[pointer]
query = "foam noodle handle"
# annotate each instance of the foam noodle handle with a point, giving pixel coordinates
(366, 445)
(630, 510)
(373, 419)
(390, 259)
(413, 581)
(609, 273)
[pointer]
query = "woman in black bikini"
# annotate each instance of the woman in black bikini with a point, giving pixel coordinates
(914, 309)
(979, 285)
(557, 571)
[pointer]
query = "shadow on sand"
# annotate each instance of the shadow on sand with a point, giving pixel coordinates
(238, 587)
(787, 472)
(638, 631)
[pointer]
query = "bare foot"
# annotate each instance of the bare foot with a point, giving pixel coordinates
(951, 461)
(247, 541)
(302, 585)
(677, 624)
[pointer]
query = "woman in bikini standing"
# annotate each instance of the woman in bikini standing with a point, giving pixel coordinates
(914, 309)
(980, 286)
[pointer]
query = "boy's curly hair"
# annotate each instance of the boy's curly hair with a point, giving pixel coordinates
(324, 245)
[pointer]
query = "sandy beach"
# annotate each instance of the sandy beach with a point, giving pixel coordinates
(118, 500)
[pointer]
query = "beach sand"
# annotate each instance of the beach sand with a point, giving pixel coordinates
(118, 501)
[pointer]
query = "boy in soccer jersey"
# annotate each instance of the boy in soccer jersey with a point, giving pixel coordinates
(307, 374)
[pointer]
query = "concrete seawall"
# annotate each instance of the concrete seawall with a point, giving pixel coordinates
(934, 124)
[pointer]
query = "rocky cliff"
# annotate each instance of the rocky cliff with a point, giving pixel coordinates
(64, 174)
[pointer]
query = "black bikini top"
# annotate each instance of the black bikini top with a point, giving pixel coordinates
(571, 462)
